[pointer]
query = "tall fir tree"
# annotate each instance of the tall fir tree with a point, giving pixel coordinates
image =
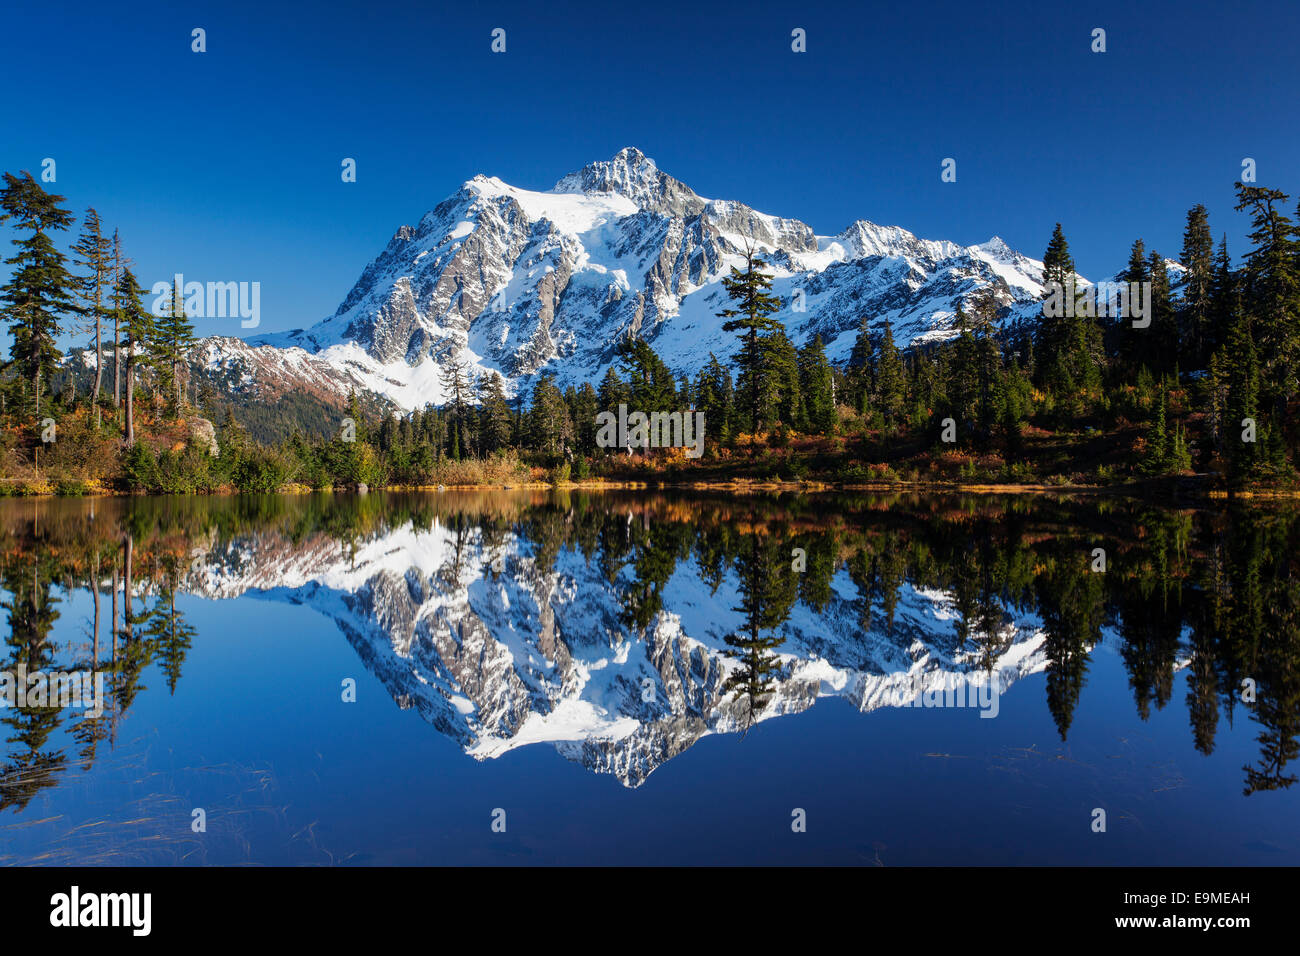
(138, 331)
(173, 338)
(1162, 335)
(751, 317)
(715, 397)
(95, 256)
(781, 374)
(891, 380)
(1130, 343)
(494, 412)
(549, 424)
(862, 369)
(120, 262)
(651, 386)
(1070, 346)
(959, 361)
(1058, 264)
(584, 406)
(1272, 288)
(612, 391)
(456, 385)
(988, 360)
(816, 388)
(1244, 425)
(40, 290)
(1197, 339)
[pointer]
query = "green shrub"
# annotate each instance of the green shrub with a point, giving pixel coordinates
(260, 470)
(139, 468)
(71, 487)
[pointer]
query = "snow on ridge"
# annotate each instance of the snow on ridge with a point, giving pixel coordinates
(518, 282)
(574, 213)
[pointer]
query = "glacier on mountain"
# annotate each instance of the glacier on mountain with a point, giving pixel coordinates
(517, 282)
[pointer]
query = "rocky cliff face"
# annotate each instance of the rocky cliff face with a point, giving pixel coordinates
(519, 281)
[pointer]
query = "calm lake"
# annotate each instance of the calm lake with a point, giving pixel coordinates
(646, 678)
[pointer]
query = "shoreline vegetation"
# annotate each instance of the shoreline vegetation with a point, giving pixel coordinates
(1195, 489)
(1196, 395)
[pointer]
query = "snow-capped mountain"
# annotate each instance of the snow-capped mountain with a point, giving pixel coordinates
(517, 281)
(498, 649)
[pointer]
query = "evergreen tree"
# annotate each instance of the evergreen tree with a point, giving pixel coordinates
(137, 328)
(1162, 336)
(494, 412)
(861, 370)
(173, 338)
(612, 391)
(925, 389)
(715, 397)
(40, 289)
(456, 384)
(860, 356)
(987, 360)
(1070, 347)
(752, 319)
(1013, 400)
(1223, 292)
(685, 391)
(816, 389)
(651, 386)
(1058, 264)
(584, 406)
(1157, 456)
(891, 380)
(120, 262)
(550, 427)
(960, 371)
(781, 372)
(1216, 390)
(360, 424)
(350, 457)
(1272, 276)
(1243, 398)
(1131, 344)
(96, 256)
(1197, 321)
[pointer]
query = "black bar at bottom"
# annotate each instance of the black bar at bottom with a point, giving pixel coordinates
(214, 905)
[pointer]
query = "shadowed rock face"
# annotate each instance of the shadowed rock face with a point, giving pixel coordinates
(498, 647)
(519, 281)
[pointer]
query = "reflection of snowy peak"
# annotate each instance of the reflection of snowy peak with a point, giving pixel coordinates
(498, 653)
(518, 281)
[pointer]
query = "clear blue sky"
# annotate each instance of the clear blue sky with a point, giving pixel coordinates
(225, 165)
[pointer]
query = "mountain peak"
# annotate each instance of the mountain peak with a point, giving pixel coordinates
(867, 238)
(630, 154)
(996, 247)
(632, 174)
(518, 281)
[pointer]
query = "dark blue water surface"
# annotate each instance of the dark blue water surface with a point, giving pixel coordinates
(642, 678)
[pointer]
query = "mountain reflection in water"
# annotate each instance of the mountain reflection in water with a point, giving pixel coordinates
(621, 628)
